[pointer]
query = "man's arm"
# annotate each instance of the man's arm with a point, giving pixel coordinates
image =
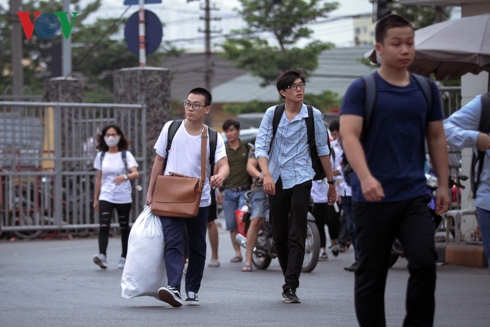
(436, 140)
(269, 186)
(350, 132)
(222, 172)
(252, 168)
(156, 170)
(327, 168)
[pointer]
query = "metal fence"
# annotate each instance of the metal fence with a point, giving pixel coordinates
(47, 151)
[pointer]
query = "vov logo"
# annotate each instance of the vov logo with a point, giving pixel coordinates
(46, 25)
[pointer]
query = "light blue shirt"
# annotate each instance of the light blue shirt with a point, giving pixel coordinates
(290, 155)
(461, 132)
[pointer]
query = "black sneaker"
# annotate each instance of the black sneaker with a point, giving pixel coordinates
(335, 250)
(352, 267)
(170, 295)
(289, 296)
(191, 299)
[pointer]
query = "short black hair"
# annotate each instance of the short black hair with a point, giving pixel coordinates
(231, 122)
(205, 93)
(102, 146)
(287, 78)
(334, 126)
(387, 22)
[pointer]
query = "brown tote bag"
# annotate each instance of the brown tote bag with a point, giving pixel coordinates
(177, 195)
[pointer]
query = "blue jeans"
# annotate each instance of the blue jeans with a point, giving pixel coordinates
(347, 206)
(174, 249)
(483, 217)
(232, 201)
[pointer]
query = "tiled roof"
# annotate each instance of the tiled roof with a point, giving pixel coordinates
(336, 70)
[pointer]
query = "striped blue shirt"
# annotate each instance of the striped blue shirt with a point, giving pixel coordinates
(290, 156)
(461, 132)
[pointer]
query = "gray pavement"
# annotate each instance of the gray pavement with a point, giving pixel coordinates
(55, 283)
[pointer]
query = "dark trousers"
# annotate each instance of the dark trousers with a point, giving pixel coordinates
(288, 215)
(376, 225)
(347, 208)
(105, 216)
(173, 230)
(325, 215)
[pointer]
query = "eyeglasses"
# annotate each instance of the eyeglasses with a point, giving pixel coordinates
(109, 135)
(194, 106)
(294, 87)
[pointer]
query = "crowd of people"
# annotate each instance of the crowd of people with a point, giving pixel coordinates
(369, 167)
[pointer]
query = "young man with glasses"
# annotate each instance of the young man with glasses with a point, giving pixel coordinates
(184, 157)
(285, 162)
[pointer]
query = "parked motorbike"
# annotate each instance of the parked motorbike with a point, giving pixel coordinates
(265, 250)
(431, 187)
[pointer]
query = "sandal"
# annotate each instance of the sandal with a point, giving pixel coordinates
(247, 268)
(236, 259)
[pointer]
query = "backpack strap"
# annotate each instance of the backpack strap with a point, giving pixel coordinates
(483, 127)
(102, 155)
(213, 140)
(172, 129)
(123, 157)
(275, 121)
(425, 86)
(370, 98)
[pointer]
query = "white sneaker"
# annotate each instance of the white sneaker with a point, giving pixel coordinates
(121, 263)
(191, 299)
(100, 260)
(214, 263)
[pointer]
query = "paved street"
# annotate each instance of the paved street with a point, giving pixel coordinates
(55, 283)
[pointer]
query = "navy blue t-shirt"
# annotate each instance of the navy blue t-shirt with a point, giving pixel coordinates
(394, 145)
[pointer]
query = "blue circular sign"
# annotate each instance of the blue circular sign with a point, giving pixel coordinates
(153, 28)
(47, 26)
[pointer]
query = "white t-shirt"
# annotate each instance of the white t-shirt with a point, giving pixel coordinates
(185, 156)
(113, 166)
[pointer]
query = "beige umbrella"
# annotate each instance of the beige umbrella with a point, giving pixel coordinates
(452, 48)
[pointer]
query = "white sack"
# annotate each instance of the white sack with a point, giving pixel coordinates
(144, 272)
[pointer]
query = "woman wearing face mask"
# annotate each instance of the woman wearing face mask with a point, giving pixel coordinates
(113, 188)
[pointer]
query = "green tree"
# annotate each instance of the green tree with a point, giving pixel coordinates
(421, 16)
(325, 102)
(286, 23)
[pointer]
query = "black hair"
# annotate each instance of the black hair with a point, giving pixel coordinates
(231, 122)
(102, 146)
(387, 22)
(287, 79)
(334, 126)
(205, 93)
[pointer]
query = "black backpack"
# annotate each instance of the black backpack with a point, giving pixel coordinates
(370, 98)
(123, 157)
(310, 129)
(484, 127)
(213, 139)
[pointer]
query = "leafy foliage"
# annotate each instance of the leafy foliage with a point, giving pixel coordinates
(325, 102)
(286, 23)
(98, 49)
(420, 16)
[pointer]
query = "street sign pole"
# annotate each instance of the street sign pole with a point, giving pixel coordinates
(142, 33)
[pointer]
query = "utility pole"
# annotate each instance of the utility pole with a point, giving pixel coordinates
(439, 12)
(66, 46)
(17, 53)
(208, 75)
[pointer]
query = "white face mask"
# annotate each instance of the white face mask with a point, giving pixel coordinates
(112, 140)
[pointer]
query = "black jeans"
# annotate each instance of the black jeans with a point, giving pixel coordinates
(288, 216)
(325, 215)
(376, 224)
(105, 214)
